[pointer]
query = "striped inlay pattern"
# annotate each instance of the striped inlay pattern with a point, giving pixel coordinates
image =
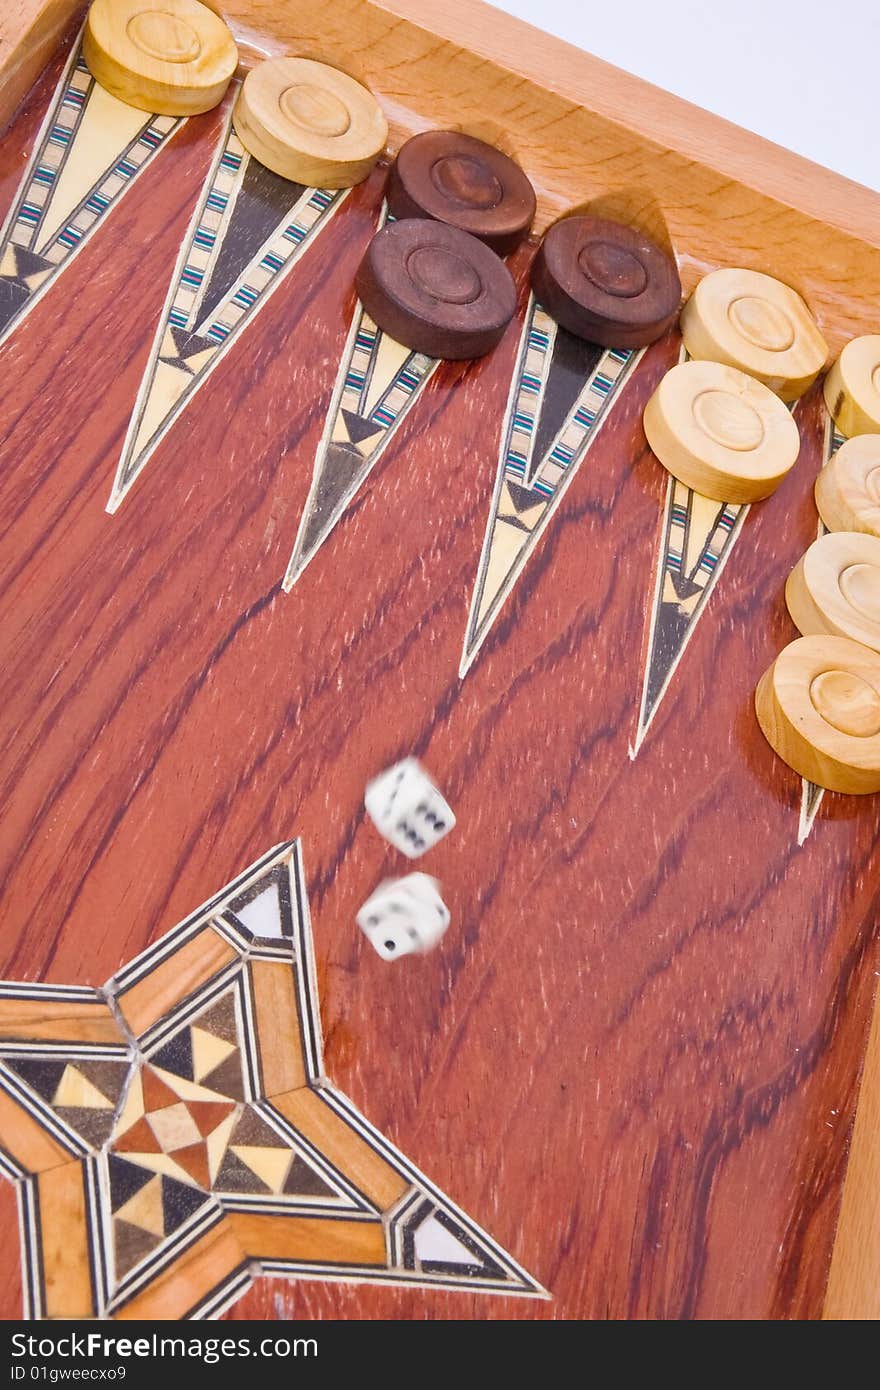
(813, 795)
(561, 394)
(359, 375)
(65, 194)
(200, 322)
(377, 383)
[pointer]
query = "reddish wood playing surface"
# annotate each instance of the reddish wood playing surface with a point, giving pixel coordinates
(634, 1057)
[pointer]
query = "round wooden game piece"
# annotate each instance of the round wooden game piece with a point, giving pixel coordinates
(606, 282)
(309, 122)
(757, 324)
(852, 387)
(435, 289)
(173, 57)
(721, 432)
(835, 588)
(818, 706)
(454, 178)
(848, 487)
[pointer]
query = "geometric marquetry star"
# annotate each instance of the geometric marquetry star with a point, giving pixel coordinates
(173, 1135)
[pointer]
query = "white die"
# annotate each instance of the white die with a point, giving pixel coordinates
(407, 808)
(404, 916)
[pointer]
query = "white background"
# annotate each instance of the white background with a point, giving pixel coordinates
(804, 74)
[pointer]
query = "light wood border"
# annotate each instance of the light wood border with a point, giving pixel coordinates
(853, 1289)
(588, 133)
(585, 131)
(29, 34)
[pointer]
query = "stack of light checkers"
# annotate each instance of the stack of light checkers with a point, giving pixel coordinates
(433, 278)
(719, 422)
(819, 703)
(304, 120)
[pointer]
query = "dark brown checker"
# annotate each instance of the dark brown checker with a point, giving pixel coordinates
(435, 289)
(466, 183)
(606, 282)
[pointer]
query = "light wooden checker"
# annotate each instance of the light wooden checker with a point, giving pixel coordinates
(848, 487)
(757, 324)
(835, 588)
(818, 706)
(172, 57)
(310, 122)
(721, 432)
(852, 387)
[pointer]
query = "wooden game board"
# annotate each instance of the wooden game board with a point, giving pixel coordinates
(254, 552)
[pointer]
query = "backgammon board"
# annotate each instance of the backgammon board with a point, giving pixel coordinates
(255, 551)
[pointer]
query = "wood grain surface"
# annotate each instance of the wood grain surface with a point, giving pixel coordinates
(634, 1057)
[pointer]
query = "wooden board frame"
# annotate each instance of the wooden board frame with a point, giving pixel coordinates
(585, 132)
(588, 133)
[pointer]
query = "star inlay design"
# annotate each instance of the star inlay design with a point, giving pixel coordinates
(173, 1135)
